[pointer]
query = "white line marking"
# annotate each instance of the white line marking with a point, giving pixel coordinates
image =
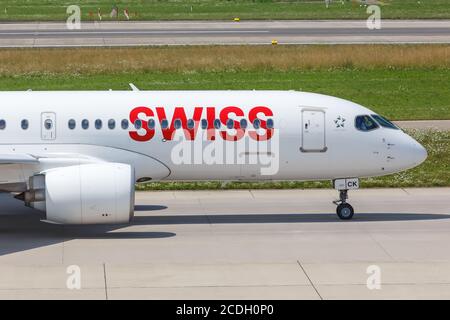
(156, 44)
(39, 33)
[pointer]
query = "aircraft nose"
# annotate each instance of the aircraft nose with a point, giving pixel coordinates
(405, 153)
(418, 153)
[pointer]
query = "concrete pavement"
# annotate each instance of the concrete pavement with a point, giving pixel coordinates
(268, 244)
(45, 34)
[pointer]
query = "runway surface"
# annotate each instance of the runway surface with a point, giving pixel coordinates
(268, 244)
(46, 34)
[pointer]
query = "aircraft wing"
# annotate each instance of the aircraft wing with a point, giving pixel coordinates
(18, 158)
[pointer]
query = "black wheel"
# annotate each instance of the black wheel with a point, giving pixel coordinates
(344, 211)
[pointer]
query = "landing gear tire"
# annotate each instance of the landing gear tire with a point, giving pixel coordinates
(345, 211)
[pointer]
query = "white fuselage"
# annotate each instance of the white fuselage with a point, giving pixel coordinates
(313, 137)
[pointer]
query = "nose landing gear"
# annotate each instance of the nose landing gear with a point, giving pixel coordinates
(344, 210)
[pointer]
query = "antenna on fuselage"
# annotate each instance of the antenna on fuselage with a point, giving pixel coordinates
(133, 87)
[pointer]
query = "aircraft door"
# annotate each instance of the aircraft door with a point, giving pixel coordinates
(48, 126)
(313, 131)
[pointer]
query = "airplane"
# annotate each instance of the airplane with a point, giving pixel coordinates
(77, 155)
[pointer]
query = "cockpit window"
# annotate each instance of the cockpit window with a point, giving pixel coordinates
(365, 123)
(384, 122)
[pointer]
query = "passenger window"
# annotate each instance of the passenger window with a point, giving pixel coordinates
(270, 124)
(230, 124)
(151, 124)
(384, 122)
(98, 124)
(191, 124)
(256, 123)
(124, 124)
(177, 124)
(164, 124)
(111, 124)
(204, 124)
(243, 123)
(85, 124)
(72, 124)
(138, 124)
(48, 124)
(365, 123)
(217, 124)
(2, 124)
(24, 124)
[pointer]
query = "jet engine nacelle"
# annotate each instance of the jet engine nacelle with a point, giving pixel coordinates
(90, 194)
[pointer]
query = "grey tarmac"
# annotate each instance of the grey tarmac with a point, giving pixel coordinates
(268, 244)
(134, 33)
